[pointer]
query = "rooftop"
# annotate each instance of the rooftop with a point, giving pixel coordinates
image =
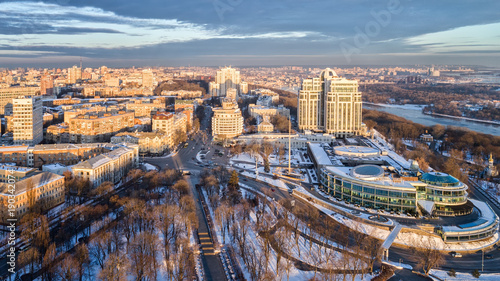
(37, 180)
(439, 179)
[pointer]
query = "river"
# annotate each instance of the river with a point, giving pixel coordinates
(414, 114)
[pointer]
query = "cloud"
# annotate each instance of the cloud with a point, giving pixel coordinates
(91, 27)
(480, 38)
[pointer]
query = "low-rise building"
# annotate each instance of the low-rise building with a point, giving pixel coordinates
(42, 154)
(44, 189)
(58, 133)
(259, 110)
(14, 173)
(150, 143)
(143, 107)
(111, 166)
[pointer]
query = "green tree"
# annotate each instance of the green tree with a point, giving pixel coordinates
(476, 273)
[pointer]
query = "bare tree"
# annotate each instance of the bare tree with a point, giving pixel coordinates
(115, 268)
(82, 260)
(99, 248)
(142, 255)
(48, 263)
(427, 252)
(66, 270)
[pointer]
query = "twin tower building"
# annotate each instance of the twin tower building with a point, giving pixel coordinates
(330, 104)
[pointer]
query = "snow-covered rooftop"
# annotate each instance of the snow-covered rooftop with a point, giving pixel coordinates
(319, 154)
(487, 217)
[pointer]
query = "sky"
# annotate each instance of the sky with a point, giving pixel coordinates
(249, 32)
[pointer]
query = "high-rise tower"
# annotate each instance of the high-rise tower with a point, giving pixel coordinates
(330, 104)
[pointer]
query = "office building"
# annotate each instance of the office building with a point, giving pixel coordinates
(367, 177)
(330, 104)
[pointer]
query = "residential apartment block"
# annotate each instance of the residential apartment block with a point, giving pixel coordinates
(8, 94)
(150, 143)
(226, 78)
(99, 127)
(44, 188)
(143, 107)
(227, 121)
(38, 155)
(28, 120)
(330, 104)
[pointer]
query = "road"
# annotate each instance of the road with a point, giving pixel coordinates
(185, 160)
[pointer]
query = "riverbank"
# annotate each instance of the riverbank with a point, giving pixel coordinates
(421, 107)
(414, 113)
(462, 118)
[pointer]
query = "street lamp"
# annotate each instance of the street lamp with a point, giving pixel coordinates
(482, 260)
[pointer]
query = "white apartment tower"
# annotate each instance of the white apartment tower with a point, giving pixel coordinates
(147, 78)
(330, 104)
(227, 121)
(227, 78)
(28, 120)
(74, 74)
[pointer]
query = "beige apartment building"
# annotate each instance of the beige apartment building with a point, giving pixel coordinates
(258, 110)
(150, 143)
(8, 94)
(168, 123)
(8, 172)
(143, 107)
(28, 120)
(99, 127)
(41, 154)
(226, 78)
(330, 104)
(111, 166)
(44, 188)
(227, 121)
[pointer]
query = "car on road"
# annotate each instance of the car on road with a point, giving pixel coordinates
(488, 256)
(456, 255)
(272, 189)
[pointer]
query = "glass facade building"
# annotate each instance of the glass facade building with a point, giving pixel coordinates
(392, 194)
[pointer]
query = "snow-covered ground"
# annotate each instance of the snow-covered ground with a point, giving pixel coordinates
(492, 188)
(418, 107)
(149, 167)
(443, 275)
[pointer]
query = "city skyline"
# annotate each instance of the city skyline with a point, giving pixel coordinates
(248, 33)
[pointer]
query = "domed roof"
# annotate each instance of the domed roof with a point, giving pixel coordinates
(327, 73)
(439, 179)
(367, 172)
